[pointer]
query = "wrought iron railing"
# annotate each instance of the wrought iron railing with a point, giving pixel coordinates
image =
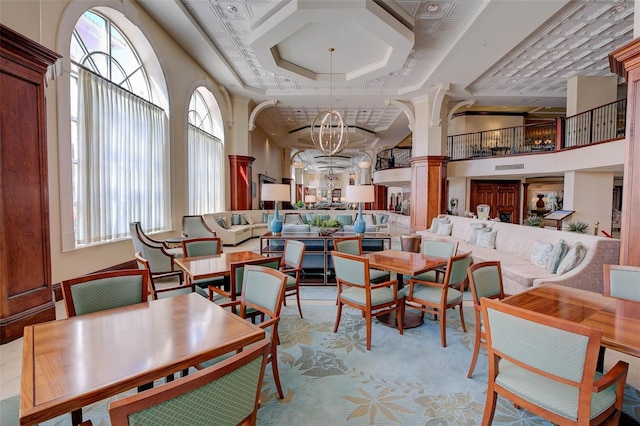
(600, 124)
(393, 157)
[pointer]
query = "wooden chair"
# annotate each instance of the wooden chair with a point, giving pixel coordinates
(437, 248)
(160, 257)
(622, 281)
(194, 226)
(485, 280)
(201, 246)
(355, 289)
(547, 366)
(158, 292)
(353, 245)
(105, 290)
(436, 297)
(263, 292)
(291, 266)
(225, 393)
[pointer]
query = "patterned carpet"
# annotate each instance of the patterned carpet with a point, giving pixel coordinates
(330, 379)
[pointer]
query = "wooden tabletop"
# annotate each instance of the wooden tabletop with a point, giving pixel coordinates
(71, 363)
(217, 265)
(404, 262)
(619, 319)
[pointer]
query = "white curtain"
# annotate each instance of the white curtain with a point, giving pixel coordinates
(206, 172)
(123, 162)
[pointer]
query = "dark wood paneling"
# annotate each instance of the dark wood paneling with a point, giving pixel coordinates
(502, 196)
(25, 258)
(240, 173)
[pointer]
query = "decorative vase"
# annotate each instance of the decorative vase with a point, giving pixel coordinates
(540, 204)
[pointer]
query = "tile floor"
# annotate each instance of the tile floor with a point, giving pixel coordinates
(11, 353)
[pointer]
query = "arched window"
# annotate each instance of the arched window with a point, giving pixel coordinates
(119, 137)
(205, 154)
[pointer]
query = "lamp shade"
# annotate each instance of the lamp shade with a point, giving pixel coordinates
(275, 192)
(310, 198)
(360, 194)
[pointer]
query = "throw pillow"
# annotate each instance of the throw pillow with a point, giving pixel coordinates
(439, 223)
(555, 257)
(227, 220)
(445, 228)
(248, 219)
(222, 222)
(473, 232)
(264, 218)
(243, 219)
(572, 259)
(540, 253)
(368, 219)
(235, 219)
(487, 238)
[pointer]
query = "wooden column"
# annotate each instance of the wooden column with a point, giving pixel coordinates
(240, 174)
(626, 63)
(381, 197)
(428, 190)
(25, 258)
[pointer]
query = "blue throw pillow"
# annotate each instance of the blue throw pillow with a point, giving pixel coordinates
(558, 251)
(222, 222)
(235, 219)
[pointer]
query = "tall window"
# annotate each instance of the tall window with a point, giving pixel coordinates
(206, 154)
(120, 142)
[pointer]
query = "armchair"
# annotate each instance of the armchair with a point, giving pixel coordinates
(353, 245)
(158, 292)
(547, 365)
(291, 266)
(194, 226)
(436, 297)
(355, 289)
(229, 389)
(159, 256)
(622, 281)
(437, 248)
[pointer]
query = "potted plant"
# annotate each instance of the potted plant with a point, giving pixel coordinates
(579, 227)
(453, 206)
(533, 221)
(326, 227)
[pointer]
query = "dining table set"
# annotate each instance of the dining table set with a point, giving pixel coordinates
(71, 363)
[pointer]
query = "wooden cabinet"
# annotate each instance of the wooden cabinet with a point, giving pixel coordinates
(25, 260)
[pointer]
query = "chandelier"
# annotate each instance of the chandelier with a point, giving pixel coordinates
(330, 180)
(332, 135)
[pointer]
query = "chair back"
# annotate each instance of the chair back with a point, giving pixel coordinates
(351, 269)
(622, 281)
(293, 253)
(485, 280)
(194, 247)
(350, 245)
(194, 226)
(439, 248)
(104, 290)
(238, 268)
(457, 267)
(538, 354)
(228, 391)
(263, 290)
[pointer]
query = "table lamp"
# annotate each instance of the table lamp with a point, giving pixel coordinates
(275, 192)
(360, 194)
(310, 199)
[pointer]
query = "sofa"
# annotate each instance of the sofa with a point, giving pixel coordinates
(521, 251)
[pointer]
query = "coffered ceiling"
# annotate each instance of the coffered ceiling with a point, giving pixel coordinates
(389, 53)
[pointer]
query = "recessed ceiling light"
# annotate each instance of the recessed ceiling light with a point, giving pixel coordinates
(432, 7)
(618, 9)
(232, 9)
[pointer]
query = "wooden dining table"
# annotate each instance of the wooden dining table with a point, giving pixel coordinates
(216, 265)
(71, 363)
(404, 263)
(619, 319)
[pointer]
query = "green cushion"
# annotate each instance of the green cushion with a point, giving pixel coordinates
(378, 295)
(432, 294)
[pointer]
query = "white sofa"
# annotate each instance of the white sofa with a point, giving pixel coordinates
(514, 245)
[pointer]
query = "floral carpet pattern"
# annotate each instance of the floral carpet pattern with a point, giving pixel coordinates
(408, 380)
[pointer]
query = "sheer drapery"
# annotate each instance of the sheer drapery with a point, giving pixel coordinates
(123, 162)
(206, 193)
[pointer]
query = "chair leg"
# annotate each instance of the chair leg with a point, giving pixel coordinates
(368, 326)
(298, 300)
(489, 407)
(76, 417)
(338, 315)
(464, 328)
(476, 350)
(443, 330)
(274, 367)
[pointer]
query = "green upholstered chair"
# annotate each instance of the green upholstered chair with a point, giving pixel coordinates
(485, 280)
(622, 281)
(436, 248)
(205, 246)
(547, 366)
(353, 245)
(436, 297)
(162, 292)
(292, 266)
(263, 290)
(160, 257)
(356, 290)
(105, 290)
(227, 393)
(194, 226)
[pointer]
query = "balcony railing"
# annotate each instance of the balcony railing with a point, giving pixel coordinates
(601, 124)
(394, 157)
